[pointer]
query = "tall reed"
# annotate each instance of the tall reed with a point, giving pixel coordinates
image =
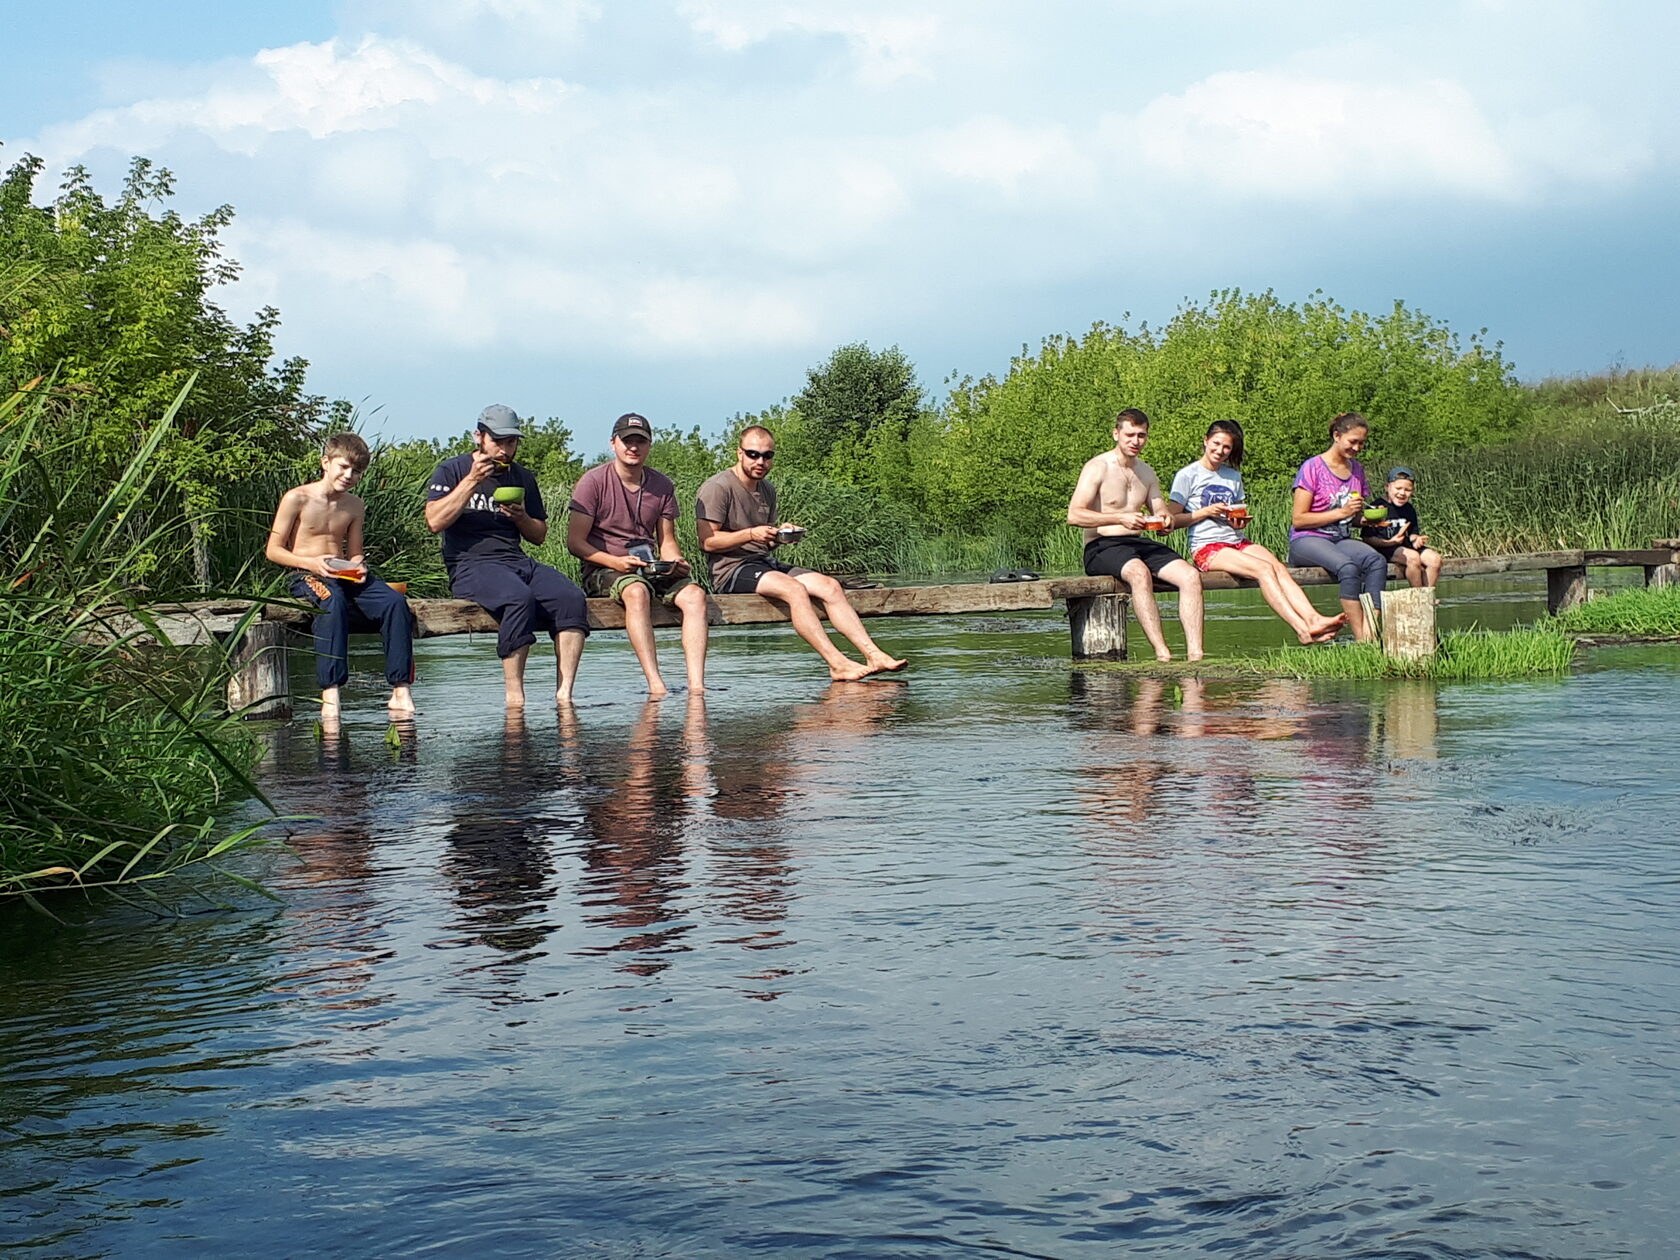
(113, 752)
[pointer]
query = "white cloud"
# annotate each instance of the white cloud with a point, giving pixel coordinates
(1295, 137)
(890, 41)
(711, 187)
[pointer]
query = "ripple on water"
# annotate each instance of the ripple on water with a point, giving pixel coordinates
(999, 959)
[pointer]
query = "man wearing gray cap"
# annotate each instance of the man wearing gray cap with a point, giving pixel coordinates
(486, 506)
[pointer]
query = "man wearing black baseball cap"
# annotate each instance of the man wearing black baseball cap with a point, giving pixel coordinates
(485, 506)
(624, 528)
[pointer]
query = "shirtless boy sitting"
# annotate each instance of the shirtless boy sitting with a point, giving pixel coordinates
(317, 531)
(1117, 491)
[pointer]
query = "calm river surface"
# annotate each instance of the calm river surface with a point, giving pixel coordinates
(1005, 959)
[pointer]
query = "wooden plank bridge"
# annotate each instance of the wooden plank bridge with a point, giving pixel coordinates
(1097, 610)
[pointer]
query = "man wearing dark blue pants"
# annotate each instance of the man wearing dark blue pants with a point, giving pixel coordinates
(485, 506)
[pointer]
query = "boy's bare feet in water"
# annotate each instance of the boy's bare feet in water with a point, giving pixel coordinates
(848, 670)
(880, 663)
(402, 700)
(329, 704)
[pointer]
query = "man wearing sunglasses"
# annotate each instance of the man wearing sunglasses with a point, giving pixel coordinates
(486, 506)
(735, 517)
(624, 529)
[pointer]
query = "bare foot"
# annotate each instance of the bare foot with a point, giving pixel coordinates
(516, 697)
(849, 671)
(656, 691)
(880, 663)
(1162, 654)
(563, 695)
(402, 700)
(1194, 656)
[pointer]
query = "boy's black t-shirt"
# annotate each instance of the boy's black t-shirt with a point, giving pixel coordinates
(1386, 530)
(481, 532)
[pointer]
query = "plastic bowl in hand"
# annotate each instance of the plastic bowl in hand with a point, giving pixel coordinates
(509, 494)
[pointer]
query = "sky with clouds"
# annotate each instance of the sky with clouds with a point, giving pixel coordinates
(582, 207)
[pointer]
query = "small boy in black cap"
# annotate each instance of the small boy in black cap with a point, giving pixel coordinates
(1397, 535)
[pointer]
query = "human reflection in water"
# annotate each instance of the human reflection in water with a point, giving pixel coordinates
(497, 856)
(764, 770)
(336, 927)
(1225, 737)
(634, 872)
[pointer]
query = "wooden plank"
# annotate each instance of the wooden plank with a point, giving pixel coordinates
(1643, 558)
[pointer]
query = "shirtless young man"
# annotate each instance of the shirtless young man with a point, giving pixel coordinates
(1116, 491)
(322, 521)
(735, 517)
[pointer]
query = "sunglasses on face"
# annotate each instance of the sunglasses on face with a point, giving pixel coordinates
(758, 454)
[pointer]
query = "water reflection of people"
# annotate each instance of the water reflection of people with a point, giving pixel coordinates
(763, 770)
(633, 855)
(1136, 775)
(337, 922)
(497, 855)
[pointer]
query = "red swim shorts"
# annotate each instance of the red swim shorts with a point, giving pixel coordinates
(1204, 554)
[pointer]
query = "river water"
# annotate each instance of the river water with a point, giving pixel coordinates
(1003, 959)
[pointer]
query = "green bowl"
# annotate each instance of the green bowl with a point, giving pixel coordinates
(509, 494)
(1378, 513)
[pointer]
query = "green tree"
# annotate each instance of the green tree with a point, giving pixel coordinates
(856, 410)
(117, 310)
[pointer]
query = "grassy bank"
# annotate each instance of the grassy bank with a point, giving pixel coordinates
(1638, 613)
(114, 756)
(1463, 655)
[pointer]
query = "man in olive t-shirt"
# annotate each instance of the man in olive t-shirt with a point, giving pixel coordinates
(735, 517)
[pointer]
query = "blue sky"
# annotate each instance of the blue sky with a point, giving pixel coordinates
(582, 207)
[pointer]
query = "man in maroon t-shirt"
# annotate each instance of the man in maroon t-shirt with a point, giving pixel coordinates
(624, 529)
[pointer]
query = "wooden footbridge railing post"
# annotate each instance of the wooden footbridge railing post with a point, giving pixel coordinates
(1565, 588)
(261, 686)
(1408, 622)
(1098, 626)
(1665, 574)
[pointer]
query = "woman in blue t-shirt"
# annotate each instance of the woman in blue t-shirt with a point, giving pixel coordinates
(1207, 496)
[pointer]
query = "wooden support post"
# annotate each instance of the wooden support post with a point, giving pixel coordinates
(261, 686)
(1098, 625)
(1565, 588)
(1408, 622)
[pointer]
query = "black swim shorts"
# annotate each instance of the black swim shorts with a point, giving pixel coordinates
(1110, 555)
(743, 580)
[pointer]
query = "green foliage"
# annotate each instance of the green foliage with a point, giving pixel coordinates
(854, 403)
(113, 755)
(1012, 447)
(113, 302)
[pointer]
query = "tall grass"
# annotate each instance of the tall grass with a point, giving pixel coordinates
(1463, 655)
(113, 751)
(1639, 611)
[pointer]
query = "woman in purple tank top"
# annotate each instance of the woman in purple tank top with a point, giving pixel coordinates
(1330, 495)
